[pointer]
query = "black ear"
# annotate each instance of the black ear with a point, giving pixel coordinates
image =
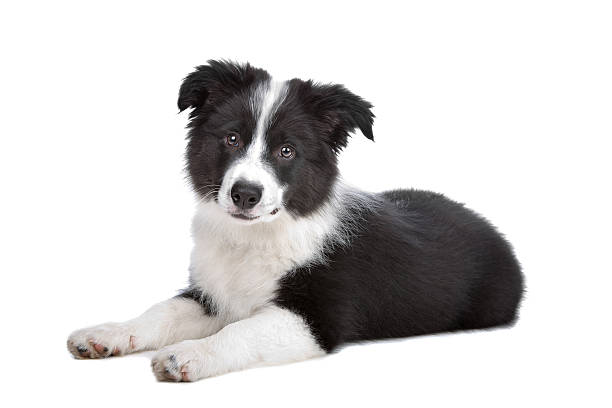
(211, 84)
(342, 112)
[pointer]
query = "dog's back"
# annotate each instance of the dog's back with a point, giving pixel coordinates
(419, 263)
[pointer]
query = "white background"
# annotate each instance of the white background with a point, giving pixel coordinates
(504, 106)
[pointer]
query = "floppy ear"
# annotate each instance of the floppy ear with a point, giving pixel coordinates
(210, 84)
(342, 112)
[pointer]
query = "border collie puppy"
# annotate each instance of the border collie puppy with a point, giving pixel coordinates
(288, 262)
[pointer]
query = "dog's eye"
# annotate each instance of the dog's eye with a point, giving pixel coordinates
(287, 152)
(233, 139)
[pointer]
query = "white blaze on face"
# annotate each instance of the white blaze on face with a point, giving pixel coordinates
(252, 167)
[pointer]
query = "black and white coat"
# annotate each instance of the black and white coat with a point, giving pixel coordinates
(289, 263)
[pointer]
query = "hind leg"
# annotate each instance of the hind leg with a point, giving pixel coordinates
(496, 301)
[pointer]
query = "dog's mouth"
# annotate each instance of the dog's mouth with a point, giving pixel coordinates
(246, 217)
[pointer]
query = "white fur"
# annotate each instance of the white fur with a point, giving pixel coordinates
(252, 167)
(240, 265)
(270, 336)
(165, 323)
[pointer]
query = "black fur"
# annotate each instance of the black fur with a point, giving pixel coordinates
(217, 95)
(201, 298)
(421, 264)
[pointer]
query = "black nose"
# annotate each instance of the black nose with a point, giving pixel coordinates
(246, 195)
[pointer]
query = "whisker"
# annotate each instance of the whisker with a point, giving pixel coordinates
(207, 195)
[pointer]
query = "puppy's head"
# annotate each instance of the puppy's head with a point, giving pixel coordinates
(258, 147)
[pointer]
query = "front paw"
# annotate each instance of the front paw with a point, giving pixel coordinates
(179, 362)
(105, 340)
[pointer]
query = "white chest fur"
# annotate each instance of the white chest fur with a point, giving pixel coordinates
(239, 266)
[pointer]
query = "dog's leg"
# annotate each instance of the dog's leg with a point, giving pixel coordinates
(168, 322)
(271, 336)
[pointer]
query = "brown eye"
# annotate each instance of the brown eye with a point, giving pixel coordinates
(233, 139)
(287, 152)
